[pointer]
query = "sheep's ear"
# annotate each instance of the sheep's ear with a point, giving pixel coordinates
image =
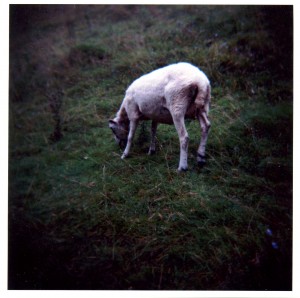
(112, 123)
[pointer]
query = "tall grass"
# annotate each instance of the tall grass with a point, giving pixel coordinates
(82, 218)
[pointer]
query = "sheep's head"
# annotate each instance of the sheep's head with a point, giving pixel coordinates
(120, 132)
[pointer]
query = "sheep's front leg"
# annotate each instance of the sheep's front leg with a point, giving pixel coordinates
(132, 129)
(153, 137)
(205, 126)
(184, 141)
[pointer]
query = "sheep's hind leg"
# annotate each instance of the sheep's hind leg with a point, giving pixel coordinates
(153, 138)
(132, 129)
(184, 141)
(205, 126)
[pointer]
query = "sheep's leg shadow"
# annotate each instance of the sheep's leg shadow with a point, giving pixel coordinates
(132, 128)
(205, 126)
(152, 148)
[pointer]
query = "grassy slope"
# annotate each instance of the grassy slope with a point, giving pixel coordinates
(82, 218)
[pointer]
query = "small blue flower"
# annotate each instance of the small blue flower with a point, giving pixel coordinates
(269, 232)
(275, 245)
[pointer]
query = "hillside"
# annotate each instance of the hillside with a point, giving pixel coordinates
(82, 218)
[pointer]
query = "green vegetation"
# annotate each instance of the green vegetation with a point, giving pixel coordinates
(82, 218)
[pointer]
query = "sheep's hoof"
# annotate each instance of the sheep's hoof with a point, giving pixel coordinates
(201, 160)
(124, 156)
(182, 169)
(151, 152)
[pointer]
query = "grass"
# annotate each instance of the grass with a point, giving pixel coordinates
(82, 218)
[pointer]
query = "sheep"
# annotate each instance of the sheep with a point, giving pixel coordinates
(167, 95)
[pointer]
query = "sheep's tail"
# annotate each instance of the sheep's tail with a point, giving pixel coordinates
(202, 99)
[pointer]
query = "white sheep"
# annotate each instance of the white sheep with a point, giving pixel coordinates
(167, 95)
